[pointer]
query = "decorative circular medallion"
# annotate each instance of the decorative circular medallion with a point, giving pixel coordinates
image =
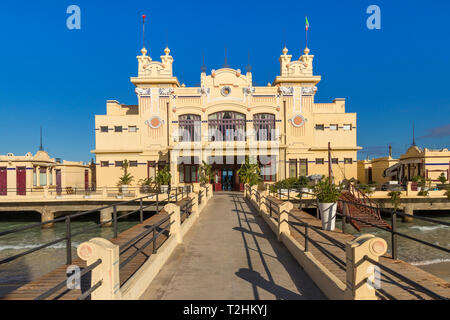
(225, 91)
(154, 122)
(298, 120)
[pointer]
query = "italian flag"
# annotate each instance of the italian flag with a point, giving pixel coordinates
(307, 24)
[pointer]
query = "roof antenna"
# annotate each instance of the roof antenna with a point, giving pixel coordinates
(41, 148)
(414, 140)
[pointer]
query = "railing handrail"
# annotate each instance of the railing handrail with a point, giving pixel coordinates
(63, 283)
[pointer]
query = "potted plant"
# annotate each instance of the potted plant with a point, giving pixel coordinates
(163, 178)
(303, 183)
(249, 172)
(206, 173)
(145, 184)
(443, 179)
(415, 182)
(126, 179)
(421, 183)
(395, 198)
(327, 194)
(372, 186)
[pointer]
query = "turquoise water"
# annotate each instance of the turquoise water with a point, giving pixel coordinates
(36, 264)
(412, 251)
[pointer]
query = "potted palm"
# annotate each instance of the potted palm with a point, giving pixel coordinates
(163, 179)
(249, 172)
(145, 184)
(442, 179)
(126, 179)
(303, 184)
(327, 195)
(206, 173)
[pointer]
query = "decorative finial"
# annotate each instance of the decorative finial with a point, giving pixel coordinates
(167, 51)
(144, 51)
(306, 51)
(183, 85)
(414, 139)
(285, 50)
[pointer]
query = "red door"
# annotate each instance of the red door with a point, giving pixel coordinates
(3, 181)
(218, 181)
(21, 174)
(86, 180)
(58, 181)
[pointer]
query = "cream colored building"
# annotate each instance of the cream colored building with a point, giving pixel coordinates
(425, 162)
(23, 175)
(223, 120)
(373, 170)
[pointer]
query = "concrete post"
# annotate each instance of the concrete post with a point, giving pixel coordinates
(362, 277)
(107, 271)
(105, 192)
(262, 204)
(175, 221)
(195, 207)
(47, 215)
(283, 225)
(106, 215)
(253, 193)
(408, 188)
(409, 209)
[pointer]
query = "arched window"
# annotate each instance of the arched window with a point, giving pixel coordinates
(189, 127)
(226, 126)
(264, 125)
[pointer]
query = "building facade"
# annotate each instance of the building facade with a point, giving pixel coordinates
(23, 175)
(222, 121)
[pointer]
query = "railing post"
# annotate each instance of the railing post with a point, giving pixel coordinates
(361, 275)
(115, 220)
(141, 211)
(345, 212)
(157, 202)
(154, 240)
(68, 241)
(176, 194)
(306, 237)
(289, 194)
(394, 235)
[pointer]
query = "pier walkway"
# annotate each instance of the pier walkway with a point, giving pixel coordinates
(231, 253)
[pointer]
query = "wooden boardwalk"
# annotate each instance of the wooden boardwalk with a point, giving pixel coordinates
(35, 288)
(391, 286)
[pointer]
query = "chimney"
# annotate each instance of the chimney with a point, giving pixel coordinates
(390, 151)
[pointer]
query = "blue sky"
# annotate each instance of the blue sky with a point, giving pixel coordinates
(61, 78)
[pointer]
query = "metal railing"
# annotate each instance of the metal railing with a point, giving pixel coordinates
(173, 195)
(186, 209)
(63, 284)
(153, 230)
(393, 231)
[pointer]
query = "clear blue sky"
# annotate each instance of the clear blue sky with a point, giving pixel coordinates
(61, 78)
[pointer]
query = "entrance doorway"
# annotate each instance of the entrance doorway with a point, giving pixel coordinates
(227, 179)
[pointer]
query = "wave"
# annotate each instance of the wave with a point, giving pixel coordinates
(427, 262)
(32, 246)
(429, 228)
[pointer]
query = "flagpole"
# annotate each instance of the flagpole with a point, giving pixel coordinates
(143, 30)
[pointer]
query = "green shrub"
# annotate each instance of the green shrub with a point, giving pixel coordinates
(163, 177)
(395, 198)
(326, 192)
(442, 178)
